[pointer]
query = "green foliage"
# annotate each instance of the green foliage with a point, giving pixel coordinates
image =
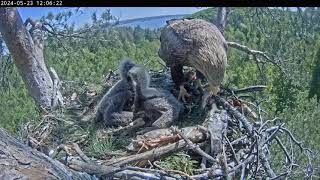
(100, 147)
(180, 162)
(17, 107)
(303, 120)
(16, 104)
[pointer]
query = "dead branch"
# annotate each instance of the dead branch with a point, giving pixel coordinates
(149, 155)
(250, 51)
(216, 122)
(56, 94)
(92, 168)
(256, 54)
(247, 125)
(249, 89)
(195, 147)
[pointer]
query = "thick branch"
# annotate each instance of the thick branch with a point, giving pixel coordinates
(27, 52)
(19, 161)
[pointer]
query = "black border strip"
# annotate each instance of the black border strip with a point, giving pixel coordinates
(168, 3)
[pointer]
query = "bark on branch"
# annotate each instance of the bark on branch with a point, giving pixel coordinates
(26, 49)
(20, 161)
(249, 51)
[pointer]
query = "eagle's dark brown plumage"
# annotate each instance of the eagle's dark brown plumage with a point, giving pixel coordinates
(196, 43)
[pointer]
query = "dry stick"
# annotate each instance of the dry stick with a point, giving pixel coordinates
(133, 125)
(210, 174)
(263, 158)
(224, 163)
(204, 159)
(249, 89)
(161, 172)
(248, 127)
(244, 163)
(238, 140)
(193, 146)
(243, 172)
(250, 51)
(257, 166)
(272, 135)
(255, 53)
(214, 174)
(265, 123)
(265, 163)
(152, 154)
(58, 150)
(138, 175)
(80, 153)
(108, 171)
(299, 143)
(91, 168)
(56, 96)
(283, 149)
(232, 150)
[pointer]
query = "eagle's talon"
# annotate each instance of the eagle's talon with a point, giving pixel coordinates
(205, 99)
(183, 93)
(197, 84)
(213, 91)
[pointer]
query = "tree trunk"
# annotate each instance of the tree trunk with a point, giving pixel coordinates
(27, 52)
(18, 161)
(221, 19)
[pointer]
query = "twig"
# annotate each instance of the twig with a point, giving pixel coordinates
(243, 170)
(194, 147)
(56, 94)
(246, 89)
(283, 149)
(224, 163)
(80, 153)
(293, 138)
(255, 53)
(203, 164)
(250, 51)
(152, 154)
(247, 125)
(266, 165)
(232, 150)
(265, 123)
(272, 135)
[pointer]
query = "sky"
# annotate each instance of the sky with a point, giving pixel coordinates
(120, 12)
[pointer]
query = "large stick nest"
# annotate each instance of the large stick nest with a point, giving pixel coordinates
(232, 138)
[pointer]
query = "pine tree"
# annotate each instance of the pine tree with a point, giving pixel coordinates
(315, 81)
